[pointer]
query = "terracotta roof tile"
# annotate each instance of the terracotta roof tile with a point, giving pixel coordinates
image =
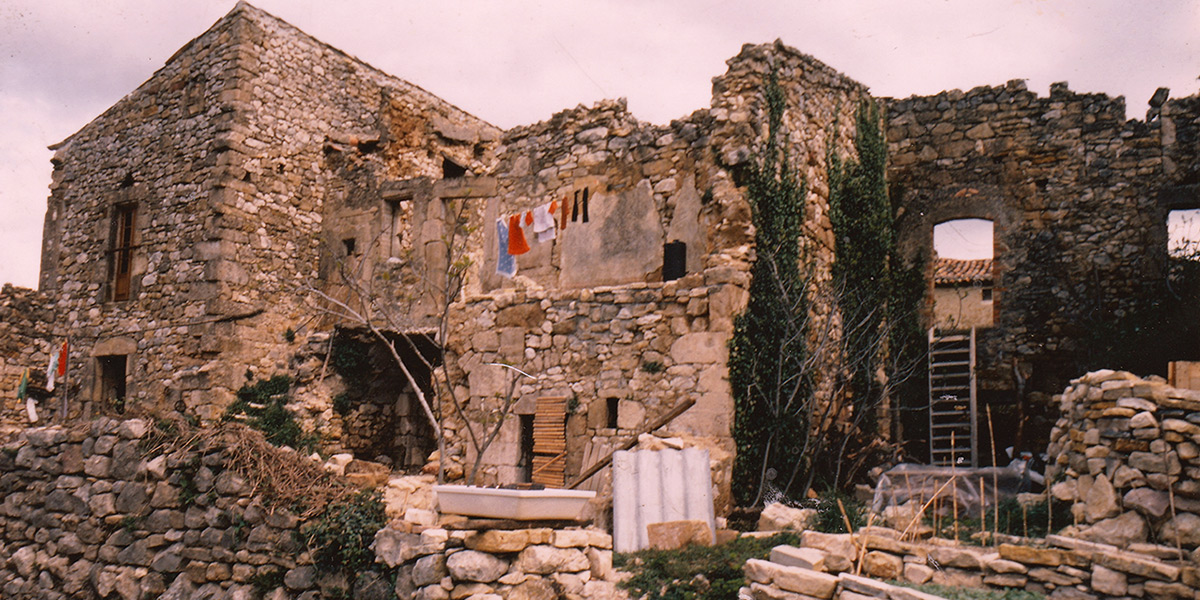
(949, 271)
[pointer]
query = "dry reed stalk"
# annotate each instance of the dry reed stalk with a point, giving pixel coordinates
(917, 516)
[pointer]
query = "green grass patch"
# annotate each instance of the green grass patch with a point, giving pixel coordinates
(695, 572)
(964, 593)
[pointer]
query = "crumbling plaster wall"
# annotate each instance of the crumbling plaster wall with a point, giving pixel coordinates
(1073, 190)
(598, 324)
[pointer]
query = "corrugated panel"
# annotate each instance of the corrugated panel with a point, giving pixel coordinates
(655, 487)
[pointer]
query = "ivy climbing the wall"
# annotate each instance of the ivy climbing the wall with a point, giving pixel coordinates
(879, 298)
(767, 353)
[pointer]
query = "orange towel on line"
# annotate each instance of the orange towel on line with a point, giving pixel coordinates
(517, 244)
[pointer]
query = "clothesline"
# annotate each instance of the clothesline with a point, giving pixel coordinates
(544, 221)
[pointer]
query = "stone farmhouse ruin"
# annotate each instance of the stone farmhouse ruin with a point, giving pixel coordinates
(187, 222)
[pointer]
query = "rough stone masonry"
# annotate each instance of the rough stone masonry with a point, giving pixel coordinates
(189, 224)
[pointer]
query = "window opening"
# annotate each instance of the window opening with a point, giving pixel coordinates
(121, 251)
(525, 461)
(395, 226)
(963, 274)
(1183, 234)
(349, 244)
(674, 260)
(452, 170)
(612, 406)
(112, 381)
(963, 239)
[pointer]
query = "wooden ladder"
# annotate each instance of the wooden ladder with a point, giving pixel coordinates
(953, 426)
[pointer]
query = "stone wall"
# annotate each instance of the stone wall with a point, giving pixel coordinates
(588, 314)
(500, 563)
(1125, 452)
(89, 512)
(250, 156)
(26, 328)
(1076, 196)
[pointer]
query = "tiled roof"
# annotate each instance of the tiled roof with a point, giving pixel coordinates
(950, 271)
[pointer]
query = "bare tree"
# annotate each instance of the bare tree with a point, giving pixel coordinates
(393, 299)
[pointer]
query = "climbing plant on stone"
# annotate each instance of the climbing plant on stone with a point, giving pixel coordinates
(768, 348)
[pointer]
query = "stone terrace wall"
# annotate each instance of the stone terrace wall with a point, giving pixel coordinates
(87, 514)
(26, 325)
(1063, 568)
(1071, 188)
(513, 564)
(1126, 452)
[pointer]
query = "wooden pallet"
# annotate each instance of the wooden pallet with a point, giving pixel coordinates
(550, 442)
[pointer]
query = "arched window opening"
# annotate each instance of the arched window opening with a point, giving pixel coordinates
(963, 274)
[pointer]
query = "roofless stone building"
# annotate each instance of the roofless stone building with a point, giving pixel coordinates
(186, 221)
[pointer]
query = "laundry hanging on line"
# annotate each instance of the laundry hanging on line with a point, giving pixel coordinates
(506, 264)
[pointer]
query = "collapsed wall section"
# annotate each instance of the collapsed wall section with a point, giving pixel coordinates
(594, 312)
(1078, 198)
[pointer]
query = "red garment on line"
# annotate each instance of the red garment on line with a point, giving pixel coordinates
(517, 244)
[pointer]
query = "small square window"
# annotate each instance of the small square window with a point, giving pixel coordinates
(986, 294)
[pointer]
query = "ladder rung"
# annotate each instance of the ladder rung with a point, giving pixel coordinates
(956, 363)
(951, 338)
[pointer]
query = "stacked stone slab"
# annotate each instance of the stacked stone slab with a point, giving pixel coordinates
(1060, 567)
(86, 513)
(1126, 452)
(495, 564)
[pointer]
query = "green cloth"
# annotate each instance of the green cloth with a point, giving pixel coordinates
(23, 389)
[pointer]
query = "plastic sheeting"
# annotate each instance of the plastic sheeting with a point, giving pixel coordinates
(921, 482)
(656, 487)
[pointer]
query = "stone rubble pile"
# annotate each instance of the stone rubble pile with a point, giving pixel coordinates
(495, 564)
(1126, 453)
(824, 566)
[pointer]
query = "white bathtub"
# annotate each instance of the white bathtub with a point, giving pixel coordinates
(523, 505)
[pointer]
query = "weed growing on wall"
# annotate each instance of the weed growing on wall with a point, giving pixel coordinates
(264, 405)
(767, 352)
(861, 217)
(340, 539)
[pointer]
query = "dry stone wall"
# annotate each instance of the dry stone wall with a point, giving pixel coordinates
(1125, 453)
(513, 564)
(89, 513)
(1061, 567)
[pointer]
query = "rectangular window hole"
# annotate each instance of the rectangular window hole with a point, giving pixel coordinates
(611, 411)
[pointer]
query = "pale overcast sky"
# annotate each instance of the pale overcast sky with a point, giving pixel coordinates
(62, 62)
